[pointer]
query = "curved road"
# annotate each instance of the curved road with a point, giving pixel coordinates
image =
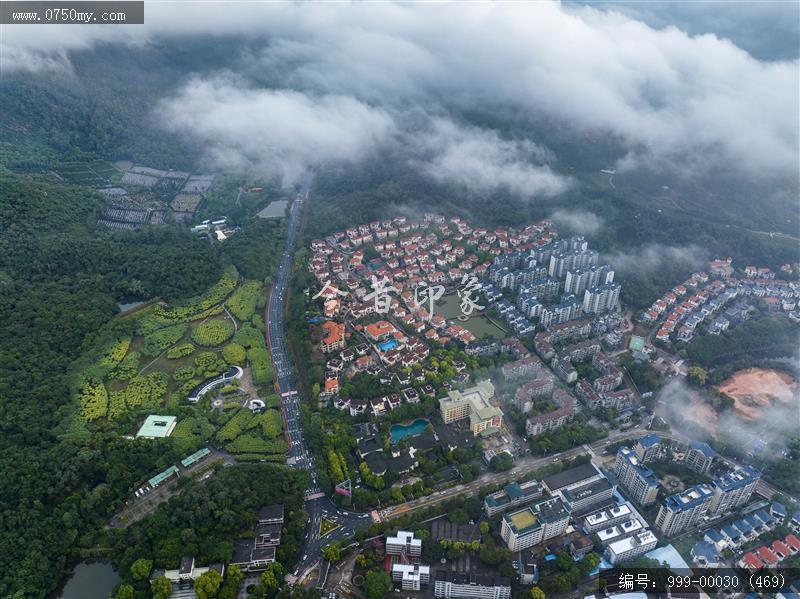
(317, 505)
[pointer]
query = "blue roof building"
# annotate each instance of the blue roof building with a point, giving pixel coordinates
(778, 510)
(685, 509)
(705, 554)
(704, 448)
(730, 532)
(648, 448)
(764, 516)
(713, 536)
(743, 527)
(754, 522)
(700, 457)
(650, 440)
(734, 489)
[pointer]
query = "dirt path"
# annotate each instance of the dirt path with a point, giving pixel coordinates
(246, 382)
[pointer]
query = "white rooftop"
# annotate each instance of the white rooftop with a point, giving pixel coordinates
(603, 515)
(623, 545)
(404, 537)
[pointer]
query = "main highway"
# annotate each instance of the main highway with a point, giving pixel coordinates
(317, 505)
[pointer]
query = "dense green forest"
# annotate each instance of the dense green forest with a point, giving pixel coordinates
(206, 517)
(102, 108)
(764, 337)
(60, 281)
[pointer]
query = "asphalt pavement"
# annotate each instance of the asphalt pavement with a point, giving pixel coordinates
(299, 456)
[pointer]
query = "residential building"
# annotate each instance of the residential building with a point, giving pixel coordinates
(563, 262)
(649, 448)
(564, 412)
(404, 544)
(454, 585)
(579, 280)
(473, 403)
(639, 481)
(411, 576)
(684, 510)
(534, 524)
(631, 547)
(333, 336)
(733, 489)
(568, 309)
(528, 366)
(699, 457)
(512, 495)
(538, 387)
(601, 298)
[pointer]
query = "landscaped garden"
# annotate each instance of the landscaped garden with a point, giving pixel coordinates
(172, 350)
(327, 526)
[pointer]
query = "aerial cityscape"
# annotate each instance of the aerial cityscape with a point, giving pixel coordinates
(324, 300)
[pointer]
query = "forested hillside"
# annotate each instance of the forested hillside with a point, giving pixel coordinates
(59, 285)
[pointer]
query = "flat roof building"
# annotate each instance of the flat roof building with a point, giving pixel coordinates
(585, 496)
(404, 543)
(449, 585)
(606, 518)
(639, 481)
(684, 510)
(733, 489)
(473, 403)
(512, 495)
(572, 478)
(411, 576)
(156, 427)
(534, 524)
(631, 547)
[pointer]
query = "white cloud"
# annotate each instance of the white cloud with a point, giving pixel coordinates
(651, 257)
(578, 221)
(240, 125)
(482, 162)
(676, 101)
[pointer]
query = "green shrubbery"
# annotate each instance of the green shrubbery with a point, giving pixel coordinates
(233, 353)
(179, 351)
(263, 374)
(159, 340)
(115, 352)
(128, 368)
(146, 391)
(244, 300)
(212, 332)
(94, 400)
(160, 316)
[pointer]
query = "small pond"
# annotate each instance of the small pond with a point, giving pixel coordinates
(91, 581)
